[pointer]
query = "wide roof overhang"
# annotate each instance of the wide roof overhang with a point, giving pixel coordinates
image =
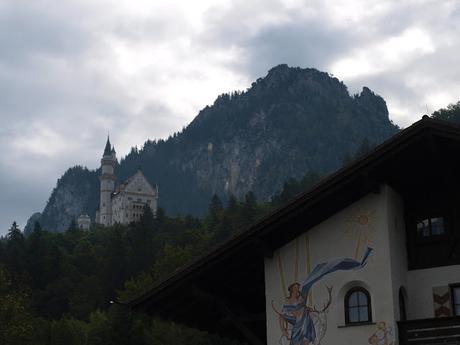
(223, 292)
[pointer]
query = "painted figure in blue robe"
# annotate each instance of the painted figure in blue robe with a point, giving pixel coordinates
(296, 313)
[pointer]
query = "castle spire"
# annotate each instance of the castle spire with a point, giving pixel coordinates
(108, 147)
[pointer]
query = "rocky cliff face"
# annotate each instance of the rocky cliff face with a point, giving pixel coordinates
(76, 192)
(291, 121)
(36, 217)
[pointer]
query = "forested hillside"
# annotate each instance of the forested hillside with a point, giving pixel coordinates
(56, 288)
(288, 123)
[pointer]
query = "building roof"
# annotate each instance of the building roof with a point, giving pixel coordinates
(224, 291)
(130, 179)
(108, 147)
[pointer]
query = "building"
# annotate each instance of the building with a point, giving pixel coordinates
(125, 202)
(84, 222)
(370, 255)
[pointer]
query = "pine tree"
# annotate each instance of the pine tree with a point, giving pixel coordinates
(15, 234)
(250, 200)
(37, 227)
(249, 208)
(147, 220)
(215, 207)
(232, 205)
(73, 226)
(15, 252)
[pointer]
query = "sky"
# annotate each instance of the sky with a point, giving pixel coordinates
(72, 71)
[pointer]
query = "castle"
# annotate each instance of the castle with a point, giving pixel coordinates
(125, 202)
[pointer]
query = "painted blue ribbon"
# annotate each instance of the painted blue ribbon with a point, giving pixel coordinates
(303, 328)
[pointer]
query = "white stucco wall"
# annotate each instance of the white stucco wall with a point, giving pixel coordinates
(420, 285)
(398, 250)
(338, 237)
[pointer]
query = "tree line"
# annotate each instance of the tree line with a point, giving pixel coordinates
(57, 288)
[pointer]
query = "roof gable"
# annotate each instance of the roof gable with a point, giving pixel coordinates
(138, 183)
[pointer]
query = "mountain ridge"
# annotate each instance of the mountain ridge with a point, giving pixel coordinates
(286, 124)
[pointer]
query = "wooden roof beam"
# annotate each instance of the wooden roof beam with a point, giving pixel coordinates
(263, 248)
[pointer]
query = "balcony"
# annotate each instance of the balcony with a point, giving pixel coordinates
(437, 331)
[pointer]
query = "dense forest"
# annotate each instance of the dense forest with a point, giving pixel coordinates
(57, 288)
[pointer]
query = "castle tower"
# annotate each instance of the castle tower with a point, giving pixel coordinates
(107, 179)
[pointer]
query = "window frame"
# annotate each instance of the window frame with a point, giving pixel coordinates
(436, 250)
(452, 297)
(431, 236)
(347, 306)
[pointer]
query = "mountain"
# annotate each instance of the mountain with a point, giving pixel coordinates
(286, 124)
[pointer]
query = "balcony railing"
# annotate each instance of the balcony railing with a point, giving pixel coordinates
(438, 331)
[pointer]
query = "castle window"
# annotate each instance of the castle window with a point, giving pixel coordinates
(357, 306)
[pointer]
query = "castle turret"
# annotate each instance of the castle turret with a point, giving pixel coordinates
(107, 179)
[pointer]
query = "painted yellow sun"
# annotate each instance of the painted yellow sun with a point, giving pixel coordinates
(363, 219)
(361, 226)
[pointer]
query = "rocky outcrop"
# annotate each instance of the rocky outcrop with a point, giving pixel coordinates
(76, 192)
(36, 217)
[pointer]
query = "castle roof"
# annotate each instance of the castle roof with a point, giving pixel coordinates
(122, 186)
(108, 147)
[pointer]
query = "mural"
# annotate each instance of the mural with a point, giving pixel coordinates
(383, 335)
(442, 301)
(301, 323)
(361, 227)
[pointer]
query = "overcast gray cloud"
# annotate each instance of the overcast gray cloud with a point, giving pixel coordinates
(71, 70)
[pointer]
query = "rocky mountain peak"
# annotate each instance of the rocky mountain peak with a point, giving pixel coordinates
(288, 123)
(296, 80)
(373, 104)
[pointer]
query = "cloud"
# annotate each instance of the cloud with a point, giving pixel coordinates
(74, 69)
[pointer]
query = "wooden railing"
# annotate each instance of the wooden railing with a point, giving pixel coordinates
(437, 331)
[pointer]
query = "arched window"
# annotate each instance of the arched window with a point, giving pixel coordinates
(357, 306)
